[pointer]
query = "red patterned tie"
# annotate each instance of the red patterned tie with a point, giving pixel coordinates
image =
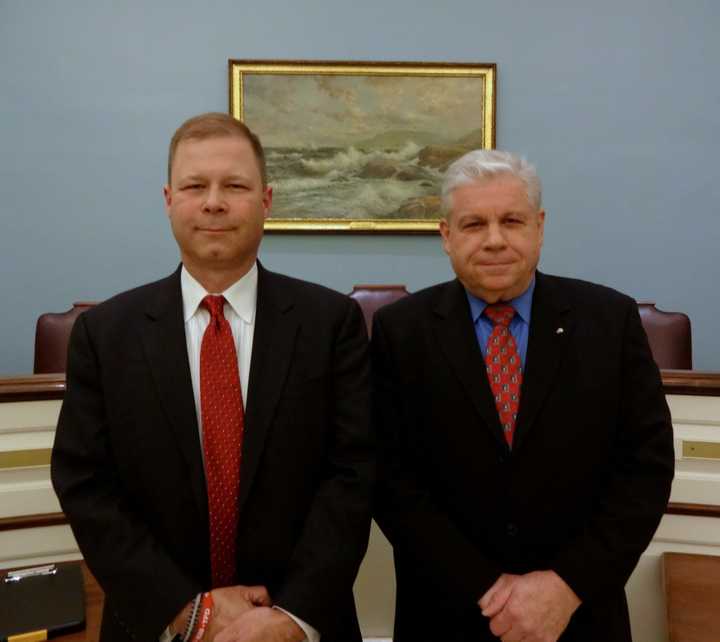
(504, 367)
(222, 427)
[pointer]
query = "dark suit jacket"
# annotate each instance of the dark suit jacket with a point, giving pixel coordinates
(582, 491)
(127, 463)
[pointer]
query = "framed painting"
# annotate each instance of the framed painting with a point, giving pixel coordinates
(362, 146)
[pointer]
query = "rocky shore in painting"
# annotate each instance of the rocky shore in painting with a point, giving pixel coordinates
(394, 175)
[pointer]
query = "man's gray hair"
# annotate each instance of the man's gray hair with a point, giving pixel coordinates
(484, 164)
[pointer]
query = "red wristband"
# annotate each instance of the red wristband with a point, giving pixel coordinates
(204, 615)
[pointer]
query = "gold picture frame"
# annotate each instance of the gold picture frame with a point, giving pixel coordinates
(361, 146)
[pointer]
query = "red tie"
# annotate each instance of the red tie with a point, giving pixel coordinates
(504, 367)
(222, 427)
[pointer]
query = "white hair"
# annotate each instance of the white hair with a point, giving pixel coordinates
(485, 164)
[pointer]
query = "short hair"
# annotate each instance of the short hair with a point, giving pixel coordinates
(484, 164)
(216, 125)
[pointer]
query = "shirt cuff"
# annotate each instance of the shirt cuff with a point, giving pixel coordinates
(311, 634)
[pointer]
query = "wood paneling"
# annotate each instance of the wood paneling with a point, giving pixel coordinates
(692, 592)
(694, 510)
(32, 388)
(32, 521)
(691, 382)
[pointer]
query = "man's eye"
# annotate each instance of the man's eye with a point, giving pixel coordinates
(193, 186)
(236, 186)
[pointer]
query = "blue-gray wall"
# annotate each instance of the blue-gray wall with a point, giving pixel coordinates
(618, 104)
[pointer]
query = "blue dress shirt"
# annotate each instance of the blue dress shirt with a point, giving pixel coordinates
(519, 326)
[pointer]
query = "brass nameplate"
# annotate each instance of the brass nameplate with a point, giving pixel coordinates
(25, 458)
(701, 449)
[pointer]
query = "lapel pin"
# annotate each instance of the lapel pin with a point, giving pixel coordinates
(559, 331)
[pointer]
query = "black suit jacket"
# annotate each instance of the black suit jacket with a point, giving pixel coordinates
(583, 489)
(127, 463)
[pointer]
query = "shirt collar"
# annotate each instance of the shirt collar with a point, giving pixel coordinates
(241, 295)
(522, 304)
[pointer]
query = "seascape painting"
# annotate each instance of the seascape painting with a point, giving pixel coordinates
(363, 147)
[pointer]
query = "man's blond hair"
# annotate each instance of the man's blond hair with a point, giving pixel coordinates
(216, 125)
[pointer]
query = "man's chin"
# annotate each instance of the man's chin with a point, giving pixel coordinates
(493, 290)
(496, 284)
(216, 258)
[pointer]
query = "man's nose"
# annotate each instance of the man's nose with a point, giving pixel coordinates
(214, 200)
(495, 237)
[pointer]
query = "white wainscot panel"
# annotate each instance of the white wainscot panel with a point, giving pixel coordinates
(28, 425)
(30, 546)
(375, 589)
(27, 491)
(695, 419)
(28, 415)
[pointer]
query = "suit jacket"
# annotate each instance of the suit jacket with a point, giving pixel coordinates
(127, 463)
(582, 490)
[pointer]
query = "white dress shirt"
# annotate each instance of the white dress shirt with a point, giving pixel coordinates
(239, 310)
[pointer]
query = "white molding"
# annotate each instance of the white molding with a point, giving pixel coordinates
(375, 588)
(30, 440)
(29, 546)
(25, 416)
(28, 425)
(694, 409)
(32, 497)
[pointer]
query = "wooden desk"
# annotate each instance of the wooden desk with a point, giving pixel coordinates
(692, 591)
(94, 598)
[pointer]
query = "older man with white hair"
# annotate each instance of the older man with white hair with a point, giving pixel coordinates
(526, 445)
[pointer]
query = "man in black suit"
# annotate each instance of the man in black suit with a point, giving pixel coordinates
(137, 448)
(525, 444)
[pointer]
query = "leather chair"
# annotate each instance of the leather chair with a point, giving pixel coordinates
(373, 297)
(692, 596)
(669, 335)
(52, 334)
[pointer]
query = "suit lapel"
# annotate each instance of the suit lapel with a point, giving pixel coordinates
(163, 337)
(456, 335)
(551, 326)
(276, 328)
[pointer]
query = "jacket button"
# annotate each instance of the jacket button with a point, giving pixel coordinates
(512, 530)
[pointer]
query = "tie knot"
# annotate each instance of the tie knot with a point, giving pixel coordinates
(214, 304)
(500, 313)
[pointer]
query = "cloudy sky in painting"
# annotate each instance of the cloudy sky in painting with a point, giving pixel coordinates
(337, 111)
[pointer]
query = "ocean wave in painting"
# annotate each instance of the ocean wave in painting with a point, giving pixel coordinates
(353, 182)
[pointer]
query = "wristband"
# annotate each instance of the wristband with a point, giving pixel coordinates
(191, 620)
(203, 619)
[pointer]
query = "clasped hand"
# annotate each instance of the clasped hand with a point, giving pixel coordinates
(243, 614)
(535, 607)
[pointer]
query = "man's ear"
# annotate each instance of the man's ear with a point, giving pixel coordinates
(267, 200)
(167, 197)
(445, 234)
